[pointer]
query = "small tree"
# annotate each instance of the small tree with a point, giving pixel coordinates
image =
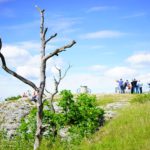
(39, 89)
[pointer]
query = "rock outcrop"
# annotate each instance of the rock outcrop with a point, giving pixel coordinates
(11, 113)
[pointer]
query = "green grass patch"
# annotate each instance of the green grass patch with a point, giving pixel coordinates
(129, 131)
(141, 98)
(110, 98)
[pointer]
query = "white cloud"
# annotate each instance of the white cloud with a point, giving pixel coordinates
(10, 86)
(19, 58)
(121, 72)
(28, 71)
(29, 45)
(15, 55)
(96, 83)
(14, 52)
(32, 67)
(139, 60)
(63, 24)
(100, 8)
(102, 34)
(97, 68)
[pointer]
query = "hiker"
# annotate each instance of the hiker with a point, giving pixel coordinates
(125, 85)
(134, 88)
(34, 97)
(117, 88)
(120, 82)
(139, 85)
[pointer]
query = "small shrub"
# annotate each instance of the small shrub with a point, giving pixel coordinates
(13, 98)
(27, 128)
(79, 114)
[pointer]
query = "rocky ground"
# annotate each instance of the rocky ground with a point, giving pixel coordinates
(11, 113)
(111, 109)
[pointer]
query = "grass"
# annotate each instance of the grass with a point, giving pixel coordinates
(110, 98)
(142, 98)
(129, 131)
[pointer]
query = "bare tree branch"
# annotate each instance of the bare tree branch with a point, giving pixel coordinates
(47, 91)
(4, 66)
(45, 31)
(0, 44)
(66, 72)
(39, 9)
(56, 84)
(59, 50)
(50, 38)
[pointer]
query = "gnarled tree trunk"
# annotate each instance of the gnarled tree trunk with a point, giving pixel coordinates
(41, 88)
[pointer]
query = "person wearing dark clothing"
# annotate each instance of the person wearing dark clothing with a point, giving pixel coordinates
(134, 86)
(125, 85)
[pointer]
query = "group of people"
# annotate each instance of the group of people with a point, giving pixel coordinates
(32, 97)
(135, 86)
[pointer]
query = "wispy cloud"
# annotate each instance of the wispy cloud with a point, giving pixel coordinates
(139, 60)
(64, 25)
(135, 15)
(102, 34)
(97, 68)
(121, 72)
(100, 8)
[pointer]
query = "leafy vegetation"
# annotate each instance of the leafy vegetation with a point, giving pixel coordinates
(129, 131)
(13, 98)
(79, 115)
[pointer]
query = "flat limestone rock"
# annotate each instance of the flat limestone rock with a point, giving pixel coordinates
(11, 113)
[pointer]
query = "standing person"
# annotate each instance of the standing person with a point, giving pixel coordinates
(121, 86)
(136, 89)
(140, 85)
(117, 88)
(125, 85)
(133, 86)
(34, 97)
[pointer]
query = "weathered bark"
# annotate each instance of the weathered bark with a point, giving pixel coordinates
(38, 135)
(44, 59)
(41, 88)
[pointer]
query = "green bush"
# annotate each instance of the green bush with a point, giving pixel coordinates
(27, 127)
(79, 114)
(13, 98)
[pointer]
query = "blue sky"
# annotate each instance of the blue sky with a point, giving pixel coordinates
(113, 41)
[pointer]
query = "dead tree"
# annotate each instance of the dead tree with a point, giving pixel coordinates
(39, 89)
(51, 95)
